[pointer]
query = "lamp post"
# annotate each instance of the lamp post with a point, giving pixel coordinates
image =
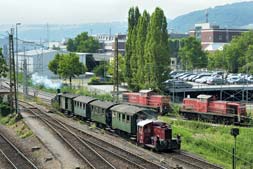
(17, 24)
(235, 133)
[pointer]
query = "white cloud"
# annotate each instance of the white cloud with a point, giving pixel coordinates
(82, 11)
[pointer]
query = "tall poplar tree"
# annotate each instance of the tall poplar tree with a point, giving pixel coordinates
(142, 27)
(133, 16)
(157, 57)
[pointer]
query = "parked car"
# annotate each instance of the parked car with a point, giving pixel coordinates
(184, 76)
(191, 77)
(203, 79)
(216, 81)
(200, 76)
(232, 79)
(237, 80)
(173, 83)
(178, 75)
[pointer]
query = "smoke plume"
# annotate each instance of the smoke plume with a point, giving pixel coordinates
(44, 81)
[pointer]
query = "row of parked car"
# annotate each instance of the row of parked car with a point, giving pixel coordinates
(212, 78)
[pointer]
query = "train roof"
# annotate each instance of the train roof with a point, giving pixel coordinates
(68, 95)
(127, 109)
(144, 122)
(203, 96)
(102, 104)
(84, 99)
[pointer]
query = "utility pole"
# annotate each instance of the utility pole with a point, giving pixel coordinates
(17, 24)
(25, 79)
(13, 84)
(116, 70)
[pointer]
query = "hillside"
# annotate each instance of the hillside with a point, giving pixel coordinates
(232, 15)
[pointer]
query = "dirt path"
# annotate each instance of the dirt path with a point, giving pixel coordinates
(62, 153)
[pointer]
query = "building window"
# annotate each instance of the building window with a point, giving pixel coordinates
(210, 37)
(220, 37)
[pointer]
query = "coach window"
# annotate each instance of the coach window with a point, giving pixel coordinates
(123, 117)
(119, 116)
(128, 118)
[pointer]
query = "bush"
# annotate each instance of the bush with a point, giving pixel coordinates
(4, 109)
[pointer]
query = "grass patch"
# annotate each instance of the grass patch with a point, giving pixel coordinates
(14, 121)
(23, 131)
(214, 143)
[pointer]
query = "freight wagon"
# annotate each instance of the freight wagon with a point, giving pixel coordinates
(148, 99)
(206, 107)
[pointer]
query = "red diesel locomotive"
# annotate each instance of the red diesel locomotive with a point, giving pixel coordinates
(206, 107)
(157, 135)
(148, 99)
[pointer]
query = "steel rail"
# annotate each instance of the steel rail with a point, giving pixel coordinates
(49, 124)
(20, 154)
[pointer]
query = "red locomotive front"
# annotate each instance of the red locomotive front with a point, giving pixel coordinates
(157, 135)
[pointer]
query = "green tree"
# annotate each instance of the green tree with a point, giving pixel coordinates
(101, 69)
(248, 67)
(3, 65)
(216, 60)
(83, 43)
(235, 52)
(156, 55)
(70, 45)
(191, 54)
(54, 64)
(142, 29)
(122, 67)
(133, 16)
(67, 66)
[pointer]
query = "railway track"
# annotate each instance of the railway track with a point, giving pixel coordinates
(12, 156)
(92, 149)
(189, 161)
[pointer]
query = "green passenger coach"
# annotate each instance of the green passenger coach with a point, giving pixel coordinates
(125, 117)
(67, 103)
(82, 107)
(101, 113)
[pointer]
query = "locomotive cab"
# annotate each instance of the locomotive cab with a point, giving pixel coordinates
(157, 135)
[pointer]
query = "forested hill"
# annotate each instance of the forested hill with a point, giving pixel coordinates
(231, 15)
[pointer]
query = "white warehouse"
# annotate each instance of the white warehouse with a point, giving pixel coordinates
(37, 61)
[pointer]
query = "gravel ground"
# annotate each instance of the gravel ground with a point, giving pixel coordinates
(63, 154)
(4, 163)
(41, 156)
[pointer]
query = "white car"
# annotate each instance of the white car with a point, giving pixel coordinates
(202, 79)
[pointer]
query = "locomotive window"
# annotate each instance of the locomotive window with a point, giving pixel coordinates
(119, 116)
(127, 118)
(123, 117)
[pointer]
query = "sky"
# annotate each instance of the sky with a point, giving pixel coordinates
(91, 11)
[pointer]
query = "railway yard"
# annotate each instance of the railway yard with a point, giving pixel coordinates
(72, 143)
